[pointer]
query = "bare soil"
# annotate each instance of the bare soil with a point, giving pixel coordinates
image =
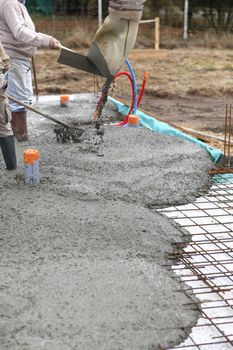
(187, 87)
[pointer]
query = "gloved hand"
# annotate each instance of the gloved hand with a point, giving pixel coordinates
(116, 37)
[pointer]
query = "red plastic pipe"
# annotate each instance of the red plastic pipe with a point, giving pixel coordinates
(145, 78)
(125, 120)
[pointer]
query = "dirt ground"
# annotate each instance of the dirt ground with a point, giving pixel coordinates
(187, 87)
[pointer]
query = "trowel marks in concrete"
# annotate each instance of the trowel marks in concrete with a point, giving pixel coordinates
(82, 255)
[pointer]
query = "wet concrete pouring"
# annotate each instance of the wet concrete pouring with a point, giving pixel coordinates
(83, 254)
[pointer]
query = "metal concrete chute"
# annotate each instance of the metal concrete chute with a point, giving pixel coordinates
(112, 42)
(73, 59)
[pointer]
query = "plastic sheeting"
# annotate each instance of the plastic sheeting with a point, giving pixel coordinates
(46, 6)
(164, 128)
(223, 178)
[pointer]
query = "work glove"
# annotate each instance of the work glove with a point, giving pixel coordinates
(116, 37)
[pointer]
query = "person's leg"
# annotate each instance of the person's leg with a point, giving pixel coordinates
(7, 143)
(20, 87)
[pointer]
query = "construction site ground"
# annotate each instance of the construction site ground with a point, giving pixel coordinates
(188, 87)
(84, 255)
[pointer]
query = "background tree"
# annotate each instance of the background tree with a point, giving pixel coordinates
(218, 14)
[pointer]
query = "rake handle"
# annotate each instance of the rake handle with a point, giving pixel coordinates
(35, 110)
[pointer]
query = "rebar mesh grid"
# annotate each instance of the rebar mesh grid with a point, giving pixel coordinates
(206, 264)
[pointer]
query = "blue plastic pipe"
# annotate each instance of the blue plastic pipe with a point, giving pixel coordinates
(134, 84)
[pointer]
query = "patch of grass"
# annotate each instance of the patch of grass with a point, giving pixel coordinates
(174, 39)
(208, 66)
(227, 67)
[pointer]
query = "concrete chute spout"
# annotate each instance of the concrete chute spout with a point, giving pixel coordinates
(116, 37)
(112, 42)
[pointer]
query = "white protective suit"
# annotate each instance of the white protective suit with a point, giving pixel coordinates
(116, 37)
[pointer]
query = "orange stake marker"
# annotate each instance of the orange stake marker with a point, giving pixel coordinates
(64, 100)
(133, 120)
(31, 167)
(30, 156)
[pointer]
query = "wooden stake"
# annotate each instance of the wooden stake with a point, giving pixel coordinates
(157, 33)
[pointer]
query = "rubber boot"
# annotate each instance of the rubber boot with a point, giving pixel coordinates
(7, 145)
(19, 125)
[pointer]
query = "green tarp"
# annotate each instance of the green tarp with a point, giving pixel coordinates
(46, 6)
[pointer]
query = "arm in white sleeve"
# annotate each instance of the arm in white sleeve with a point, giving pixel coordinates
(14, 18)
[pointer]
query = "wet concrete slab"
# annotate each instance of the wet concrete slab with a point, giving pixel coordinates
(83, 254)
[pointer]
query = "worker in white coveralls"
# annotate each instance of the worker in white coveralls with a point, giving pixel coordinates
(19, 39)
(7, 143)
(116, 37)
